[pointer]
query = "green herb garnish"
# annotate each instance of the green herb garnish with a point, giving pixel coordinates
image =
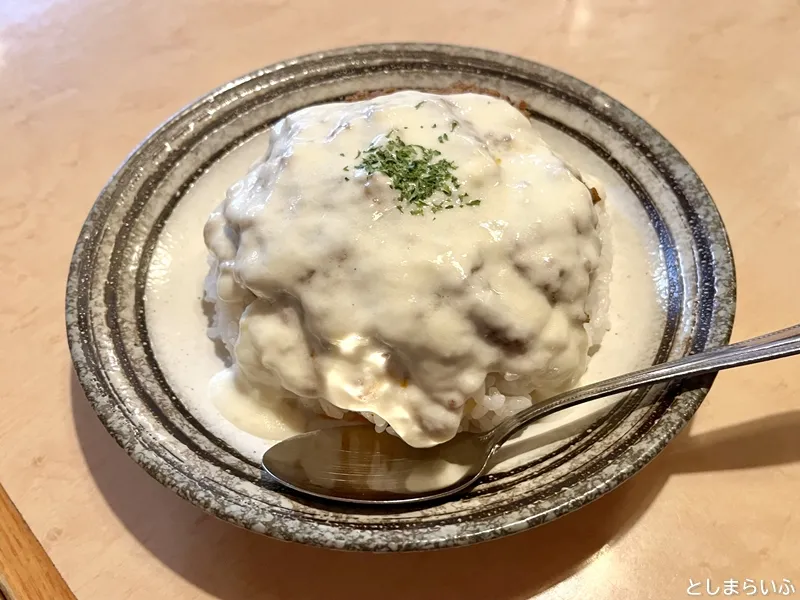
(453, 125)
(419, 104)
(416, 173)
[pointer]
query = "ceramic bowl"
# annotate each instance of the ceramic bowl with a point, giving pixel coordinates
(131, 392)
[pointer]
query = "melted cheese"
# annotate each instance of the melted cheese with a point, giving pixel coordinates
(342, 298)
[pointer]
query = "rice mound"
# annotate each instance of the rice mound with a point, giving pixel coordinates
(502, 396)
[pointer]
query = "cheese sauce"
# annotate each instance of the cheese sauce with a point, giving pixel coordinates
(373, 309)
(351, 293)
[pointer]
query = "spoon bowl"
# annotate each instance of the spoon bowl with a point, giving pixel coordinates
(358, 465)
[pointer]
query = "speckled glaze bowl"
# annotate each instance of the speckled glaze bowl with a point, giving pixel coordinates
(115, 364)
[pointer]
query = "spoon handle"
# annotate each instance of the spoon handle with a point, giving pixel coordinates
(778, 344)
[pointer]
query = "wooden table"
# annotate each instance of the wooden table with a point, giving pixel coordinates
(83, 81)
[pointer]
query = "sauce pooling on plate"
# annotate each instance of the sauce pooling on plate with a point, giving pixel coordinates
(412, 258)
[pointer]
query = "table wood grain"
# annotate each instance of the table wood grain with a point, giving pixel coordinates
(83, 81)
(26, 572)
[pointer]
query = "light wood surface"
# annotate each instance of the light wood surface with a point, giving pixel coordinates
(26, 572)
(83, 81)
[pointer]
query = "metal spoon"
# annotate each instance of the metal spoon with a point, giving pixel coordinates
(355, 464)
